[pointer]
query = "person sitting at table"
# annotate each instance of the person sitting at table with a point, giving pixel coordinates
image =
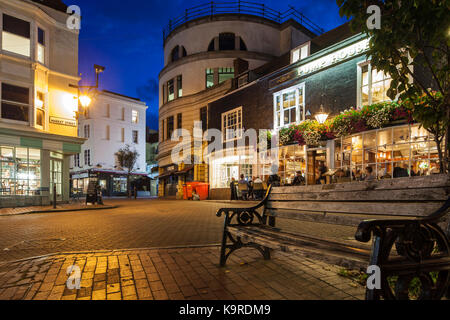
(369, 175)
(244, 193)
(320, 171)
(274, 179)
(299, 180)
(258, 189)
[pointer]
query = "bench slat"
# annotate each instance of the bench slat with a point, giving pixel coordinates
(351, 220)
(334, 253)
(434, 181)
(434, 194)
(420, 209)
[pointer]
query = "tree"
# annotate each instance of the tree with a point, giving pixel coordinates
(127, 158)
(412, 43)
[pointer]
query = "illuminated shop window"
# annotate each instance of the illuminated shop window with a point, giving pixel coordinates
(20, 171)
(394, 152)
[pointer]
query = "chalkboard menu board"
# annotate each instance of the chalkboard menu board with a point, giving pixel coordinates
(91, 196)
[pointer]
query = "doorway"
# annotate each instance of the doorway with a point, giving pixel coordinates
(56, 173)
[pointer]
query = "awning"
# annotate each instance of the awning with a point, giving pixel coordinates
(185, 170)
(167, 174)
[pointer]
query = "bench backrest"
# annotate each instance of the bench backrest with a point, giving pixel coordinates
(347, 203)
(258, 186)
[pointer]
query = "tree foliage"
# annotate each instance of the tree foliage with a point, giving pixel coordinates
(412, 46)
(127, 158)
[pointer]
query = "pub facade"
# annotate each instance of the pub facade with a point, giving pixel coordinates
(324, 76)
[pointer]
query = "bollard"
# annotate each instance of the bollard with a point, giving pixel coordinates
(54, 196)
(135, 193)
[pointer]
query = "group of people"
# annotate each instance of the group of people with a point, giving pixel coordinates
(250, 192)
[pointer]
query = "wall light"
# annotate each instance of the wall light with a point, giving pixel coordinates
(321, 116)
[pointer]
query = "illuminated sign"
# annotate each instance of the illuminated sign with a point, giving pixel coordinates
(338, 56)
(63, 122)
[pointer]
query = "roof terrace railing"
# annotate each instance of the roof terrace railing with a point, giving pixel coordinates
(240, 7)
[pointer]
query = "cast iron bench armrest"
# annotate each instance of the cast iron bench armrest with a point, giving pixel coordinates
(377, 227)
(251, 209)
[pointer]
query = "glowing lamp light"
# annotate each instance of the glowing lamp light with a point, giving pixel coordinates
(85, 101)
(322, 116)
(39, 103)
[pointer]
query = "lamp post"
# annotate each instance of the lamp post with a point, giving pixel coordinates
(85, 100)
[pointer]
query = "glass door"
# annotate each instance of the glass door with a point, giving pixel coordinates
(56, 178)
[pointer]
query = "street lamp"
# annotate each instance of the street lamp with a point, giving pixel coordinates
(321, 116)
(89, 93)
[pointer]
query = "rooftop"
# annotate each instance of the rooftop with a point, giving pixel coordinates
(54, 4)
(240, 8)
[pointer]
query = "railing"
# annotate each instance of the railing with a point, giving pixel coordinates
(239, 7)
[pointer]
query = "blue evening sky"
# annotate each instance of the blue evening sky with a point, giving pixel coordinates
(126, 38)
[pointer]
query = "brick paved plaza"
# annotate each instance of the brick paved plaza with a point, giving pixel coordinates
(103, 240)
(184, 273)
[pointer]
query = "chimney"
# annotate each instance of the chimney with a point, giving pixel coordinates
(240, 66)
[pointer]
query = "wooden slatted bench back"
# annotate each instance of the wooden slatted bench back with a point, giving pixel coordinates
(349, 203)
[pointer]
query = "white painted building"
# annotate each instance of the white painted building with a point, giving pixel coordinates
(112, 122)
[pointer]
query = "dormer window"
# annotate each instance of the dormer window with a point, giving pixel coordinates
(300, 52)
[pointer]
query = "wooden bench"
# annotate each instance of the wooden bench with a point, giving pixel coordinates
(405, 218)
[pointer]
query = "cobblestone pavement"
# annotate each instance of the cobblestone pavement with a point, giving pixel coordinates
(135, 224)
(48, 209)
(176, 274)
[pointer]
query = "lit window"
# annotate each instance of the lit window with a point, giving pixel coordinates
(107, 111)
(41, 46)
(16, 36)
(170, 90)
(20, 171)
(40, 107)
(180, 86)
(135, 136)
(15, 102)
(373, 86)
(232, 124)
(289, 106)
(300, 53)
(135, 116)
(122, 135)
(209, 78)
(225, 74)
(107, 132)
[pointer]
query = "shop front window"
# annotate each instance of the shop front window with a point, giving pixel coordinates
(120, 184)
(394, 152)
(20, 171)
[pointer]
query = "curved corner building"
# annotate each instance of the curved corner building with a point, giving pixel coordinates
(204, 50)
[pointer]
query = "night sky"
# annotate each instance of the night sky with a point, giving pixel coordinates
(126, 38)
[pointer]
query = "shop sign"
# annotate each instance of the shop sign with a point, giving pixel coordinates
(63, 122)
(331, 59)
